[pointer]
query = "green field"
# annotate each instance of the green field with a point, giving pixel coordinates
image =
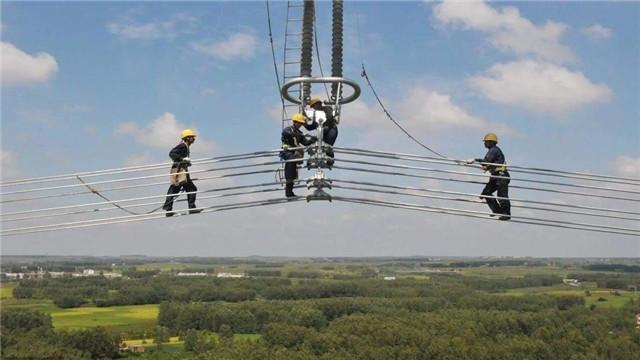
(516, 271)
(6, 290)
(120, 318)
(610, 299)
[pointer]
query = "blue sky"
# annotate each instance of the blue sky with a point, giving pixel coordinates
(103, 84)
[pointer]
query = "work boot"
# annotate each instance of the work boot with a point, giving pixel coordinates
(195, 211)
(169, 213)
(288, 190)
(505, 217)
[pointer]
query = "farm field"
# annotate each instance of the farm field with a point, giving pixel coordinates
(315, 304)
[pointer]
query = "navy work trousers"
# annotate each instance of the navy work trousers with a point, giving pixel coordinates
(500, 206)
(188, 186)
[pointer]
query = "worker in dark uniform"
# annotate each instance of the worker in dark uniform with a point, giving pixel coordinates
(499, 179)
(329, 126)
(180, 178)
(292, 137)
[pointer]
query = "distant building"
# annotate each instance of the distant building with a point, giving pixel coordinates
(389, 278)
(192, 274)
(88, 272)
(230, 275)
(14, 276)
(111, 275)
(56, 274)
(571, 282)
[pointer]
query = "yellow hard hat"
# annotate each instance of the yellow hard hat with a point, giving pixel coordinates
(490, 137)
(298, 118)
(187, 132)
(314, 100)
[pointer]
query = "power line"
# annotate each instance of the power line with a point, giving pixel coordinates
(514, 168)
(136, 218)
(481, 202)
(484, 176)
(112, 171)
(78, 212)
(480, 215)
(135, 199)
(608, 210)
(478, 182)
(138, 186)
(535, 219)
(148, 177)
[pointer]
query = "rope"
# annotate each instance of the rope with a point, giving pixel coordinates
(384, 109)
(273, 53)
(481, 215)
(117, 206)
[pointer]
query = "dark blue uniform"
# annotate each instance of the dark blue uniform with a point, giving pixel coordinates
(501, 206)
(177, 154)
(292, 138)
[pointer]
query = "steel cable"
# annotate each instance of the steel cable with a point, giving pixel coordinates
(135, 218)
(514, 168)
(609, 210)
(481, 202)
(408, 167)
(480, 215)
(112, 171)
(481, 183)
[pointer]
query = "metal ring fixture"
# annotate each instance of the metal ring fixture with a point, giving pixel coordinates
(324, 80)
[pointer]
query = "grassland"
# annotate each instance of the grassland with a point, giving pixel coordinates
(600, 297)
(116, 318)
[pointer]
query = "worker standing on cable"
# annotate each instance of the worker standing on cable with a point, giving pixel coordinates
(499, 179)
(293, 138)
(318, 113)
(180, 178)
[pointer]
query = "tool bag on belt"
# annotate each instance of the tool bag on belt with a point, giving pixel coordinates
(178, 175)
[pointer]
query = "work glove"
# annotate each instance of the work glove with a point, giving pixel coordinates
(469, 161)
(186, 161)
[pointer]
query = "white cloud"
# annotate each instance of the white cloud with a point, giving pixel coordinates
(238, 45)
(597, 32)
(361, 114)
(168, 29)
(428, 109)
(540, 87)
(20, 68)
(628, 166)
(162, 132)
(9, 162)
(507, 29)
